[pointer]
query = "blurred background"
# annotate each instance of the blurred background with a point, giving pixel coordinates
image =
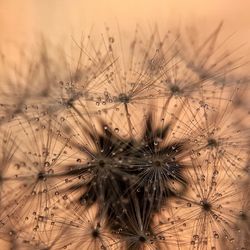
(23, 21)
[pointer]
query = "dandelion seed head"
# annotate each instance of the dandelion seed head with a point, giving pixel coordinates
(123, 98)
(135, 143)
(206, 206)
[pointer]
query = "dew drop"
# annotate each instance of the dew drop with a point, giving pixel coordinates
(50, 171)
(111, 39)
(46, 164)
(11, 233)
(196, 237)
(40, 218)
(216, 236)
(65, 197)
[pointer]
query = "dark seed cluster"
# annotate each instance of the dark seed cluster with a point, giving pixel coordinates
(137, 142)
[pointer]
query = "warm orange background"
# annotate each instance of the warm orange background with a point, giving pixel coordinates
(22, 20)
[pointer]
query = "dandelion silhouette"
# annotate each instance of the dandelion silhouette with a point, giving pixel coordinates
(132, 144)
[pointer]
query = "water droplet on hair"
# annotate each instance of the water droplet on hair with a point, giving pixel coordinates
(46, 164)
(216, 235)
(111, 39)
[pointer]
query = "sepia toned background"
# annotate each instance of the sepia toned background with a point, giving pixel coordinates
(22, 21)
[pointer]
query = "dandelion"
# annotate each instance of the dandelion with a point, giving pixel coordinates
(210, 210)
(132, 144)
